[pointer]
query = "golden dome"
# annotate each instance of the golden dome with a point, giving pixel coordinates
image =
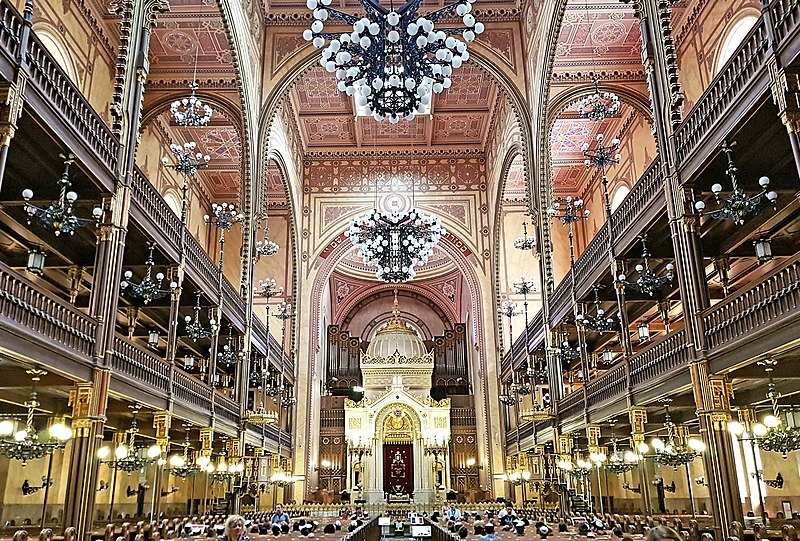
(396, 338)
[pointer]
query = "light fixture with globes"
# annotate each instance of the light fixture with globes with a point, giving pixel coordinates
(393, 61)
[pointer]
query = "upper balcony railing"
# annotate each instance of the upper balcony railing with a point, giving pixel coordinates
(73, 116)
(608, 386)
(775, 298)
(571, 405)
(140, 365)
(660, 357)
(155, 209)
(723, 95)
(26, 306)
(191, 391)
(233, 305)
(785, 19)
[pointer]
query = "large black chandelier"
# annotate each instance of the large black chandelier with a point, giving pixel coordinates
(778, 438)
(675, 451)
(600, 322)
(58, 215)
(127, 457)
(648, 282)
(393, 61)
(619, 462)
(149, 288)
(599, 105)
(25, 444)
(739, 206)
(229, 355)
(194, 328)
(180, 465)
(395, 243)
(191, 111)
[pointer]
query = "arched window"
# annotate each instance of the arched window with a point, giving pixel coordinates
(733, 38)
(173, 202)
(619, 195)
(58, 50)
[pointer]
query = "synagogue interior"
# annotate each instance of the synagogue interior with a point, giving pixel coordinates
(533, 261)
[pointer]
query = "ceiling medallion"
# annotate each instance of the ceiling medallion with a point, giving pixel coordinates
(393, 60)
(395, 242)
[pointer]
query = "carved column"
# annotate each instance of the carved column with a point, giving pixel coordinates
(88, 402)
(206, 448)
(176, 274)
(162, 421)
(638, 420)
(785, 86)
(11, 102)
(716, 393)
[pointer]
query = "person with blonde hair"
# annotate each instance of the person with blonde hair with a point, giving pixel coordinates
(662, 533)
(234, 529)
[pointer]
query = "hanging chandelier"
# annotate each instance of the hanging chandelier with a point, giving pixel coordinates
(127, 457)
(149, 289)
(525, 242)
(194, 328)
(266, 247)
(180, 465)
(599, 322)
(191, 111)
(229, 356)
(58, 216)
(395, 243)
(618, 462)
(675, 452)
(739, 206)
(579, 470)
(600, 105)
(567, 353)
(26, 444)
(773, 435)
(393, 61)
(268, 288)
(648, 282)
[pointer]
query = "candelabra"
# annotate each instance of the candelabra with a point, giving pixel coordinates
(195, 329)
(509, 310)
(229, 356)
(525, 242)
(268, 288)
(285, 312)
(187, 162)
(566, 353)
(148, 289)
(648, 282)
(127, 457)
(601, 157)
(58, 215)
(599, 322)
(180, 465)
(599, 106)
(739, 206)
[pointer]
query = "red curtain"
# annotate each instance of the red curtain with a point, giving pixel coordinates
(398, 468)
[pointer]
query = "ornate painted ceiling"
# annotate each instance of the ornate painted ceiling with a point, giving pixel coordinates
(460, 116)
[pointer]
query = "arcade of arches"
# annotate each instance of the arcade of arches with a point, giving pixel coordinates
(589, 335)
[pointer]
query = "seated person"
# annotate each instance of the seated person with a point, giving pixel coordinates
(462, 532)
(329, 528)
(489, 535)
(280, 516)
(507, 515)
(519, 526)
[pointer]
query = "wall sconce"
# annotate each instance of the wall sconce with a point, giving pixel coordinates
(36, 259)
(763, 249)
(644, 332)
(608, 356)
(28, 489)
(152, 338)
(173, 490)
(103, 486)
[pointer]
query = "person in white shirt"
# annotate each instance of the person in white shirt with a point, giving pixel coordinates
(453, 513)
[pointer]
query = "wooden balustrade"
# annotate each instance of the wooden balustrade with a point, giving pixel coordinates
(140, 365)
(571, 405)
(155, 209)
(69, 104)
(260, 335)
(10, 28)
(44, 317)
(190, 390)
(226, 409)
(664, 354)
(610, 385)
(723, 94)
(774, 298)
(785, 19)
(645, 192)
(233, 305)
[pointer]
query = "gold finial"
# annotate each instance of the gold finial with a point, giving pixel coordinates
(396, 306)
